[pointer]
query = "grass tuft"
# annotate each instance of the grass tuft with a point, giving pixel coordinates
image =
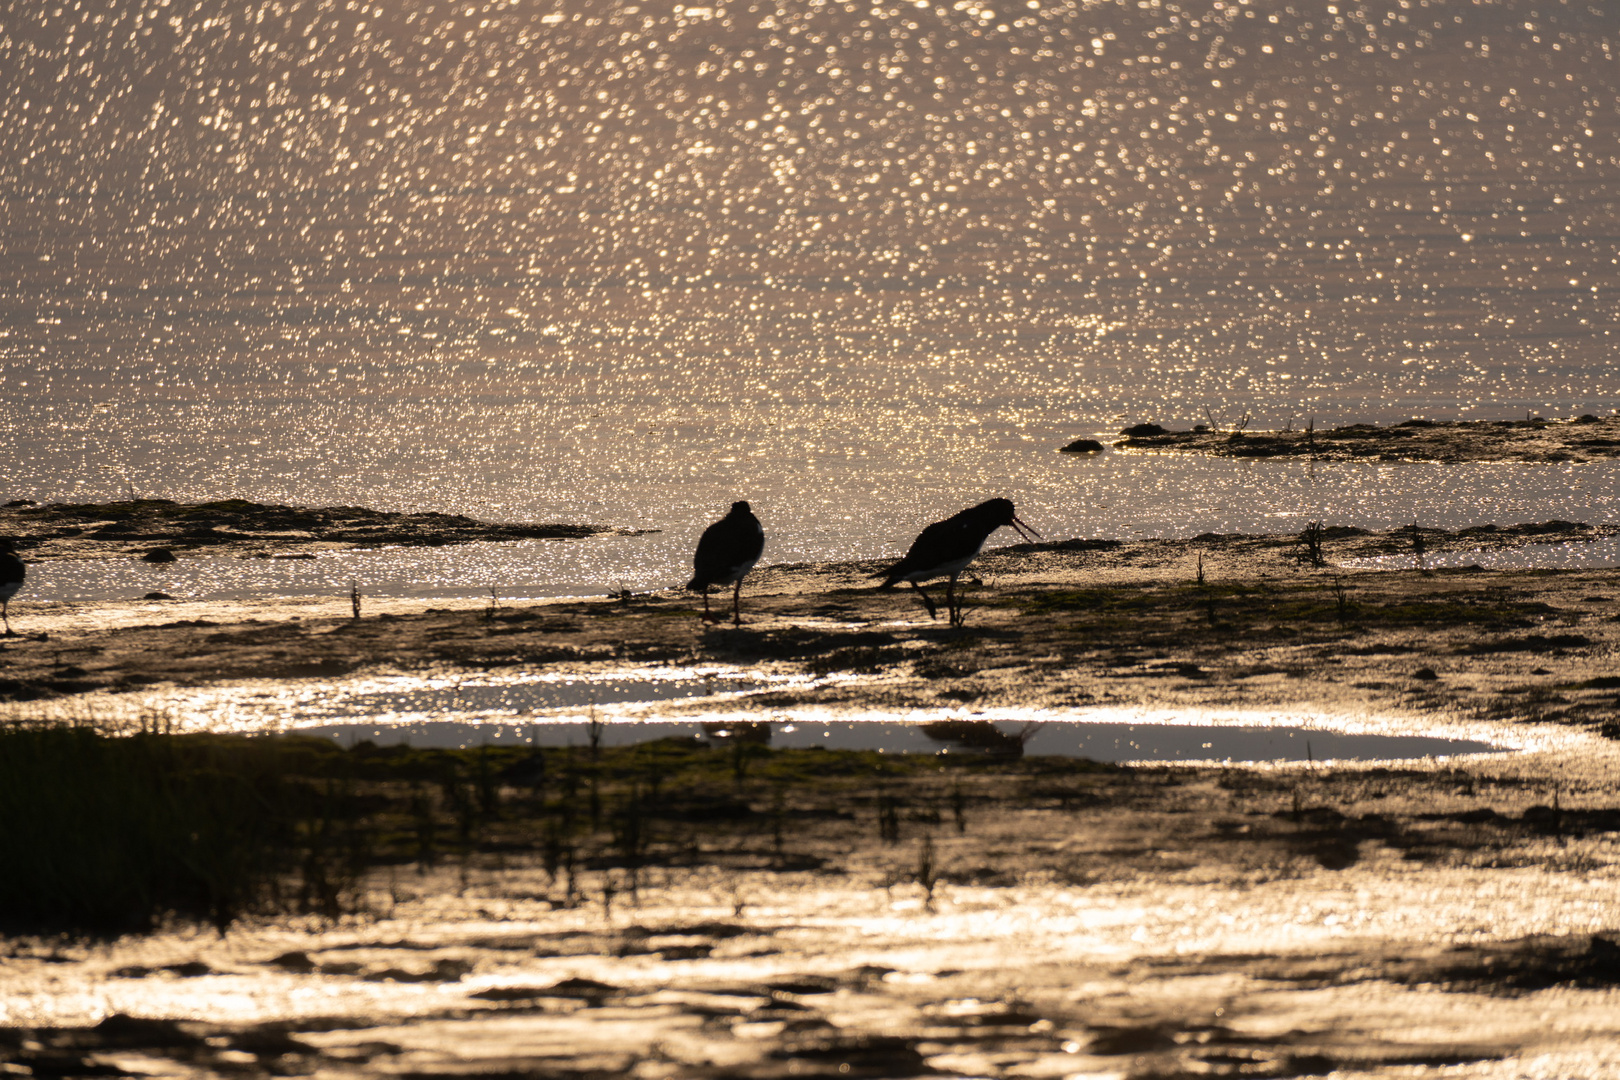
(114, 834)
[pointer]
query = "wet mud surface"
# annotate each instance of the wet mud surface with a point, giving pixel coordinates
(1035, 918)
(1066, 624)
(997, 918)
(1532, 440)
(160, 530)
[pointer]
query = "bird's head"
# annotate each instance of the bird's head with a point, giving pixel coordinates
(1000, 512)
(741, 507)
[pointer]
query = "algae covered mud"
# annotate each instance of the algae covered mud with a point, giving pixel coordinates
(162, 530)
(1533, 440)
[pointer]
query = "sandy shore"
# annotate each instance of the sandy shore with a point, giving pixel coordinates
(1025, 919)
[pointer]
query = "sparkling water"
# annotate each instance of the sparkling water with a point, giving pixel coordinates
(861, 264)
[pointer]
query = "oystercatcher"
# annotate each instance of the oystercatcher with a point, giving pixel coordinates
(946, 547)
(12, 573)
(726, 552)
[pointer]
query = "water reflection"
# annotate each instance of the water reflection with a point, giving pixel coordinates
(1101, 741)
(979, 737)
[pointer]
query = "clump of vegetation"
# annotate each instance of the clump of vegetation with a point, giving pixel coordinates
(111, 834)
(1310, 545)
(104, 833)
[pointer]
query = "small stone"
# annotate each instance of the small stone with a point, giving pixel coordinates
(158, 555)
(1427, 674)
(298, 962)
(1083, 446)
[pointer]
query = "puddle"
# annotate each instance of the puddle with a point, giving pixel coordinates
(1070, 737)
(712, 705)
(438, 710)
(514, 698)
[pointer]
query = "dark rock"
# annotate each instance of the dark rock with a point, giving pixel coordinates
(513, 993)
(156, 596)
(297, 962)
(854, 1055)
(1083, 446)
(1143, 431)
(583, 989)
(802, 985)
(14, 503)
(270, 1041)
(122, 1030)
(1112, 1041)
(158, 555)
(1427, 674)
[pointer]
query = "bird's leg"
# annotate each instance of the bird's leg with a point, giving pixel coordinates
(953, 604)
(5, 616)
(707, 617)
(736, 604)
(933, 611)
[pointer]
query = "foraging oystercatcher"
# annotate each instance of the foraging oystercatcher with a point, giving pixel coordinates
(12, 572)
(725, 553)
(946, 547)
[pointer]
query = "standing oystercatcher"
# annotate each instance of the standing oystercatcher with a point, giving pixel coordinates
(946, 547)
(726, 552)
(12, 573)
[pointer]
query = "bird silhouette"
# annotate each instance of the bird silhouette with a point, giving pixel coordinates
(946, 547)
(727, 550)
(12, 573)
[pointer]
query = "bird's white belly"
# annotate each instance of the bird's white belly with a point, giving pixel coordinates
(944, 569)
(736, 573)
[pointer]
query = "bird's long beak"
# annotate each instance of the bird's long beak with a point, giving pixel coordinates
(1025, 530)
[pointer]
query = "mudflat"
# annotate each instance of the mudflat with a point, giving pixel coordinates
(1067, 623)
(774, 913)
(162, 529)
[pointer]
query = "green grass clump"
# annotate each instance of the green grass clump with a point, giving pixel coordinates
(107, 834)
(104, 833)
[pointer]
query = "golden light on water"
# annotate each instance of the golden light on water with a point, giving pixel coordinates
(619, 262)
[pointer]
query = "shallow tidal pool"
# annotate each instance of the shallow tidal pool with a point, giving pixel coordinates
(720, 706)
